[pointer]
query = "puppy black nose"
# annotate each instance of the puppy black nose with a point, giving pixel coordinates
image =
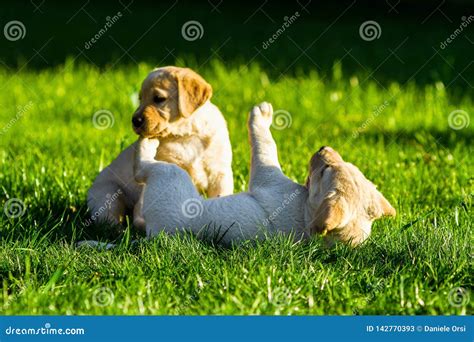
(137, 121)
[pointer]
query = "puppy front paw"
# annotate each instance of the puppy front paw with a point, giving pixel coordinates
(261, 115)
(151, 144)
(147, 148)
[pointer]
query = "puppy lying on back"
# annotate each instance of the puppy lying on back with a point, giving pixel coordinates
(337, 201)
(174, 107)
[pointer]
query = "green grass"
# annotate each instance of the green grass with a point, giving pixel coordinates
(52, 153)
(388, 116)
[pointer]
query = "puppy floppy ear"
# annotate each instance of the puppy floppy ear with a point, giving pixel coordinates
(387, 209)
(380, 206)
(329, 216)
(193, 92)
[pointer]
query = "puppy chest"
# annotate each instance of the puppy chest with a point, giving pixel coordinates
(190, 156)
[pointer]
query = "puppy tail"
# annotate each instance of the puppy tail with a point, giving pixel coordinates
(144, 155)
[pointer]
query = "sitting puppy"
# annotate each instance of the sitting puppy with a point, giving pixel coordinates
(337, 201)
(175, 107)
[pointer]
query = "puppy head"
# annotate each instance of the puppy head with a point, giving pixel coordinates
(168, 95)
(342, 203)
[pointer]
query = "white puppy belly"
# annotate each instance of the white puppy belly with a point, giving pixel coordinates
(233, 219)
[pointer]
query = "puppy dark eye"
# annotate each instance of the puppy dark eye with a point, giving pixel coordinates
(158, 99)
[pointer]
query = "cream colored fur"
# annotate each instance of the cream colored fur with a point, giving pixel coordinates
(175, 107)
(273, 204)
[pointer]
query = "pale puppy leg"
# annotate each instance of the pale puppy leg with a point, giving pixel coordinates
(264, 161)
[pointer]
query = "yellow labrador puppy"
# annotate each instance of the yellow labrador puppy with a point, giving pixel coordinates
(337, 201)
(345, 202)
(174, 107)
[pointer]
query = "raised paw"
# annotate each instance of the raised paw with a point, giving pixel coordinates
(266, 110)
(261, 114)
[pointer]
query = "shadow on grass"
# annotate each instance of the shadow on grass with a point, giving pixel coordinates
(69, 223)
(432, 139)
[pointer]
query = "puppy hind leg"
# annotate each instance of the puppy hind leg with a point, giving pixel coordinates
(106, 203)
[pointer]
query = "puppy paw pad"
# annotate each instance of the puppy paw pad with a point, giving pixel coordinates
(266, 109)
(255, 111)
